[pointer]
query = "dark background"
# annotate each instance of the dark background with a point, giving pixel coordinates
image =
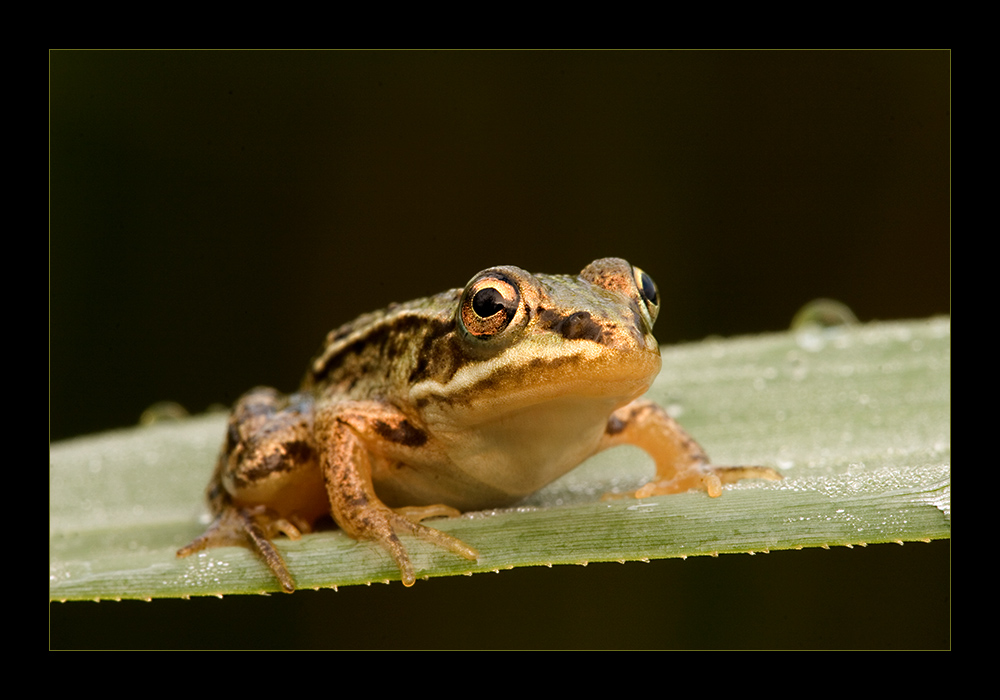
(214, 214)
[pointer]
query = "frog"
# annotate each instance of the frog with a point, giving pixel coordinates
(468, 400)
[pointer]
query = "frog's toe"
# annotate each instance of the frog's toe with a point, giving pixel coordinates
(418, 513)
(406, 521)
(429, 534)
(240, 527)
(730, 475)
(705, 478)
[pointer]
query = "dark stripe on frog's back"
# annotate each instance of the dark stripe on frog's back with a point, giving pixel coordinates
(382, 352)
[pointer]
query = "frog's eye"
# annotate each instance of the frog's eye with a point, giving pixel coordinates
(488, 305)
(647, 291)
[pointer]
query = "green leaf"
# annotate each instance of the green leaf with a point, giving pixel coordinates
(857, 418)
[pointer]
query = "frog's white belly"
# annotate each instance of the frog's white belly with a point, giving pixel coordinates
(502, 459)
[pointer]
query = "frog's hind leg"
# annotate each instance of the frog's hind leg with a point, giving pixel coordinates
(252, 528)
(681, 463)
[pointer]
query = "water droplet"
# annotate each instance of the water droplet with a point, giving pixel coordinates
(824, 313)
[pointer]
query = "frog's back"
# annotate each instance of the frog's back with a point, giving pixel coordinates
(381, 354)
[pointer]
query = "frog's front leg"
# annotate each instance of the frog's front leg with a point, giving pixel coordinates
(352, 435)
(681, 463)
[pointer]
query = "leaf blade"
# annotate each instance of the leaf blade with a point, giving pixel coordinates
(858, 418)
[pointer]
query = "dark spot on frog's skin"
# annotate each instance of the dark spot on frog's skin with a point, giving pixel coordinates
(420, 369)
(615, 426)
(217, 496)
(299, 451)
(439, 356)
(232, 438)
(255, 466)
(579, 325)
(403, 433)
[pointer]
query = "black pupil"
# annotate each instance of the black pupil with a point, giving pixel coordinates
(649, 289)
(487, 302)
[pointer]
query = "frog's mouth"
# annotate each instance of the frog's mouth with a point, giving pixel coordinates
(528, 377)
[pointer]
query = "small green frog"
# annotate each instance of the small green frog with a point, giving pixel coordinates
(471, 399)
